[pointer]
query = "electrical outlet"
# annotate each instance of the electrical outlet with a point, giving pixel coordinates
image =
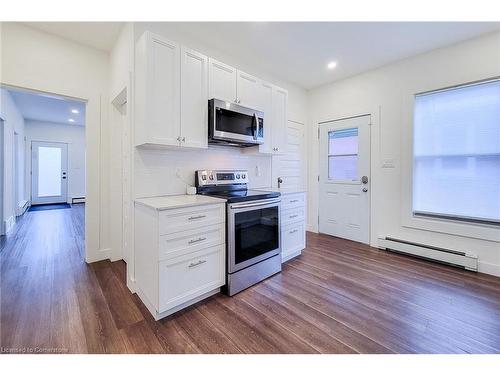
(258, 171)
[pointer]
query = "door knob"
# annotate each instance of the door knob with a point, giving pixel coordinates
(365, 190)
(364, 179)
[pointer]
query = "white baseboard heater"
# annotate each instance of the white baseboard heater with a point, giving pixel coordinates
(438, 254)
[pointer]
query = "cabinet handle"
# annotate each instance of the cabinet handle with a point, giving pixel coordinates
(293, 231)
(178, 139)
(292, 216)
(196, 217)
(191, 265)
(294, 200)
(197, 240)
(183, 139)
(236, 100)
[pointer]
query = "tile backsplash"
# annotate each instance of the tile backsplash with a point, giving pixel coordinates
(167, 172)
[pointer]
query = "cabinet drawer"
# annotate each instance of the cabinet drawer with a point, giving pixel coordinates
(291, 215)
(180, 219)
(292, 238)
(187, 277)
(180, 243)
(292, 200)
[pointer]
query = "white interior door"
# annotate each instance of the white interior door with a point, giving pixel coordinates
(49, 172)
(291, 166)
(344, 180)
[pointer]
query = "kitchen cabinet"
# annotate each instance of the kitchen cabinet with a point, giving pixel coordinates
(194, 98)
(293, 224)
(180, 251)
(157, 99)
(279, 120)
(273, 102)
(222, 81)
(249, 91)
(171, 94)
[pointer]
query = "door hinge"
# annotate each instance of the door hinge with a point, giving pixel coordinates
(318, 178)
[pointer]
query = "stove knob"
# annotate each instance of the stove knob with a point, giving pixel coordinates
(211, 177)
(243, 176)
(238, 176)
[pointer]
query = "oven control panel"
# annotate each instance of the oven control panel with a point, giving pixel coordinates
(221, 177)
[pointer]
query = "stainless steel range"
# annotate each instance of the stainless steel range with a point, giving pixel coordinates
(253, 227)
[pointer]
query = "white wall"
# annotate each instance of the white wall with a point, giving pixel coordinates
(44, 62)
(74, 136)
(13, 123)
(387, 94)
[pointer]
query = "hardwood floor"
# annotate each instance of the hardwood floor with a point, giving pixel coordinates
(338, 297)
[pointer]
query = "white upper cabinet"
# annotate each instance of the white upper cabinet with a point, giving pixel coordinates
(279, 118)
(222, 81)
(173, 85)
(266, 103)
(194, 99)
(157, 73)
(248, 90)
(171, 94)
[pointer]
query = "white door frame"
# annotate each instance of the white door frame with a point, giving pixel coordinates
(370, 177)
(63, 198)
(2, 175)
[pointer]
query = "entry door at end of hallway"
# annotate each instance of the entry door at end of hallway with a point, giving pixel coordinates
(344, 179)
(49, 166)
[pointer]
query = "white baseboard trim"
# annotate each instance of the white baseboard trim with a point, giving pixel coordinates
(102, 254)
(9, 224)
(489, 268)
(22, 207)
(310, 228)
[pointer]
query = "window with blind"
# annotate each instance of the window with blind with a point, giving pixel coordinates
(456, 153)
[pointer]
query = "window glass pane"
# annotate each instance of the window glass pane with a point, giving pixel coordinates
(343, 142)
(343, 167)
(49, 171)
(456, 167)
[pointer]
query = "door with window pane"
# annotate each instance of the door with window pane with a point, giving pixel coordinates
(344, 181)
(49, 165)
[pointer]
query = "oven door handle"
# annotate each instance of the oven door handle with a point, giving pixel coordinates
(256, 204)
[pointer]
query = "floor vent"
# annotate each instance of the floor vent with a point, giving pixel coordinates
(454, 258)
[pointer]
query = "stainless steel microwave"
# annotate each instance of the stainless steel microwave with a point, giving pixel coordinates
(234, 125)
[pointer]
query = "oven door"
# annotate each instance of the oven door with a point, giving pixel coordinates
(230, 122)
(253, 232)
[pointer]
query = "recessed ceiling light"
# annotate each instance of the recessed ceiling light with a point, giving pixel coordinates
(75, 111)
(71, 120)
(332, 65)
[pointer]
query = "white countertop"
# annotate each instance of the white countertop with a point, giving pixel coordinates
(177, 201)
(284, 190)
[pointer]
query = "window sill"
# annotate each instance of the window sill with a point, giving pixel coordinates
(485, 232)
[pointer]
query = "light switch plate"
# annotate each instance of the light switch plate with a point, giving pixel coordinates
(388, 163)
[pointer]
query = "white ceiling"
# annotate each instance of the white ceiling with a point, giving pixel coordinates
(100, 35)
(299, 51)
(48, 108)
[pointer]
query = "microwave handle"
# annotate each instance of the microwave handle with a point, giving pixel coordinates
(256, 134)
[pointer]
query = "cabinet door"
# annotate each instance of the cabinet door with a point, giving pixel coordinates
(280, 98)
(194, 99)
(221, 81)
(162, 93)
(248, 90)
(266, 98)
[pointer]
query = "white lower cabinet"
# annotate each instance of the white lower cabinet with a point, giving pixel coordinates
(293, 225)
(179, 255)
(186, 277)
